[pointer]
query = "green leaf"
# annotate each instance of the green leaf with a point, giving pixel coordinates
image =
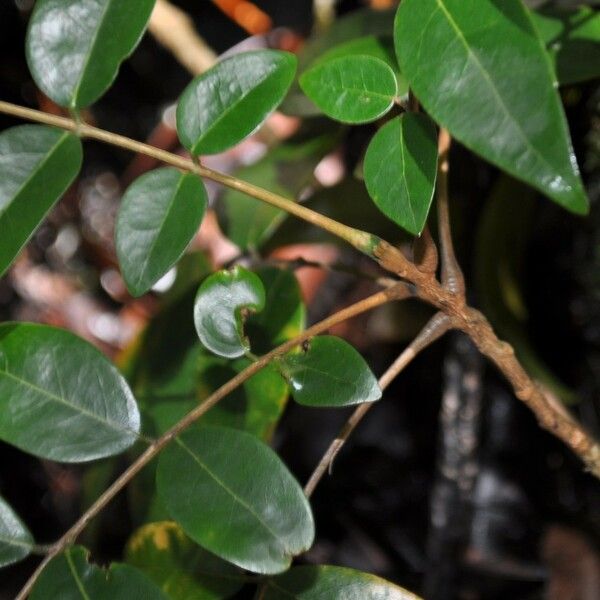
(255, 406)
(481, 71)
(69, 576)
(284, 315)
(221, 302)
(178, 566)
(332, 583)
(15, 540)
(400, 170)
(348, 27)
(37, 165)
(74, 48)
(573, 41)
(351, 89)
(231, 100)
(329, 372)
(60, 398)
(232, 495)
(159, 215)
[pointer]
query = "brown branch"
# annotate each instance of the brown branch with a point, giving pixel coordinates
(398, 292)
(427, 288)
(452, 275)
(435, 328)
(425, 252)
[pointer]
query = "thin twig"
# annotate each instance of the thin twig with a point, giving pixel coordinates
(400, 291)
(361, 240)
(452, 275)
(435, 328)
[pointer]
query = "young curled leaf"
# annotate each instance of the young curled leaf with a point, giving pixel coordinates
(219, 310)
(159, 215)
(232, 495)
(75, 47)
(15, 540)
(69, 576)
(351, 89)
(400, 170)
(231, 100)
(325, 582)
(328, 371)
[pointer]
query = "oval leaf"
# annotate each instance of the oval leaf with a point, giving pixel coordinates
(15, 540)
(488, 79)
(329, 372)
(332, 583)
(37, 165)
(218, 311)
(60, 398)
(232, 495)
(74, 48)
(70, 576)
(160, 214)
(178, 566)
(400, 170)
(231, 100)
(351, 89)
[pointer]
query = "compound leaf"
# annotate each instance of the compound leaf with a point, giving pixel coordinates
(159, 215)
(329, 372)
(231, 100)
(253, 512)
(37, 165)
(75, 47)
(481, 71)
(60, 398)
(400, 170)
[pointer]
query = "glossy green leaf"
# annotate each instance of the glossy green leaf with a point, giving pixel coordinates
(159, 215)
(573, 41)
(356, 24)
(15, 540)
(213, 482)
(332, 583)
(69, 576)
(329, 372)
(231, 100)
(481, 71)
(37, 165)
(74, 47)
(351, 89)
(400, 170)
(60, 398)
(221, 302)
(181, 569)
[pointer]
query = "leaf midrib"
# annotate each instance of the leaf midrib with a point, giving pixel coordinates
(492, 86)
(64, 402)
(241, 501)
